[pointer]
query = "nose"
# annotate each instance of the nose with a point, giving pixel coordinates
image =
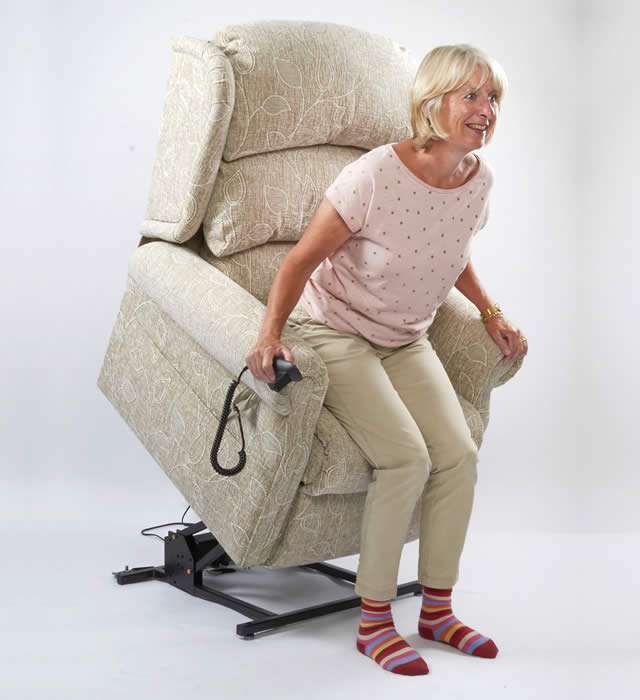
(487, 110)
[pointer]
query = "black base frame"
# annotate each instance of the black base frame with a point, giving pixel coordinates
(187, 555)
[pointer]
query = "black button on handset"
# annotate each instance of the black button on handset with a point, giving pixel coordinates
(285, 372)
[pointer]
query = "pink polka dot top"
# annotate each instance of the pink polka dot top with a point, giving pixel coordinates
(410, 241)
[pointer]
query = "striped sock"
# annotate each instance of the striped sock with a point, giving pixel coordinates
(379, 640)
(437, 622)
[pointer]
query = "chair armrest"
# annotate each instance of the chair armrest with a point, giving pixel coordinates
(472, 359)
(222, 317)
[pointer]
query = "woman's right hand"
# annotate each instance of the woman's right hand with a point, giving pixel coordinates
(260, 358)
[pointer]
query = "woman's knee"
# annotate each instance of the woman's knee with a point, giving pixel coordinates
(465, 451)
(471, 449)
(417, 456)
(463, 458)
(468, 459)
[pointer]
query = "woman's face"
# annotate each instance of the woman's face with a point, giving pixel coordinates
(469, 105)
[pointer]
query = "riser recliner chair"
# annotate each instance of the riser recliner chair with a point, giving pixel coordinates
(257, 124)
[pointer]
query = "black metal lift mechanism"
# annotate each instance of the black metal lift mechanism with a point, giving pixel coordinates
(187, 555)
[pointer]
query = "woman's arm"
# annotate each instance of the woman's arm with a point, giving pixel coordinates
(469, 284)
(509, 338)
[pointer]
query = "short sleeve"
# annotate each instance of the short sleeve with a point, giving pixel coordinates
(350, 194)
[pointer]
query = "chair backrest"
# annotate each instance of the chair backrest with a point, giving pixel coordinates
(257, 124)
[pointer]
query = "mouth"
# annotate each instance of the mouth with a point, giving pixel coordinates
(477, 131)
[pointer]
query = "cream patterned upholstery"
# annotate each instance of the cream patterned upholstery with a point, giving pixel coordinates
(257, 123)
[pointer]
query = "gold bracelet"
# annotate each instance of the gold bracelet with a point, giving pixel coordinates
(490, 312)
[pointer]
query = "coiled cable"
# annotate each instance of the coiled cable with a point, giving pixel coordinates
(221, 427)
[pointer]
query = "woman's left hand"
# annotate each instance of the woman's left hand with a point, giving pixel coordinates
(508, 338)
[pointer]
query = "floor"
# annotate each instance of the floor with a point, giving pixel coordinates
(561, 608)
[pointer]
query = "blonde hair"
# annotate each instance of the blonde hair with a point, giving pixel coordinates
(446, 69)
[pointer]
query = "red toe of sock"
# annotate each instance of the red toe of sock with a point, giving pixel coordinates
(488, 650)
(417, 667)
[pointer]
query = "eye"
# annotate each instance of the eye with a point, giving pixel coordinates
(494, 97)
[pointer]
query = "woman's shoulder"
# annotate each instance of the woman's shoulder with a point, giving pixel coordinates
(486, 167)
(376, 154)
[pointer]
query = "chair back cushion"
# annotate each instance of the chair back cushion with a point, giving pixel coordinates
(310, 97)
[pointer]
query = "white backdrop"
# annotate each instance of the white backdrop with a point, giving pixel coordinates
(554, 517)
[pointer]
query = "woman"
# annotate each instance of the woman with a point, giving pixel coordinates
(387, 243)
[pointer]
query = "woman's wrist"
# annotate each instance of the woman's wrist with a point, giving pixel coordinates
(490, 312)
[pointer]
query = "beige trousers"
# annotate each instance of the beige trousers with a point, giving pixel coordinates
(399, 406)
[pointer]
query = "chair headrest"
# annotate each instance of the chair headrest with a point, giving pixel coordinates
(307, 83)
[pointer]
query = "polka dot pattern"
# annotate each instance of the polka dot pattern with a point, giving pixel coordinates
(410, 241)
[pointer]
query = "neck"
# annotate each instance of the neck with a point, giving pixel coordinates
(445, 164)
